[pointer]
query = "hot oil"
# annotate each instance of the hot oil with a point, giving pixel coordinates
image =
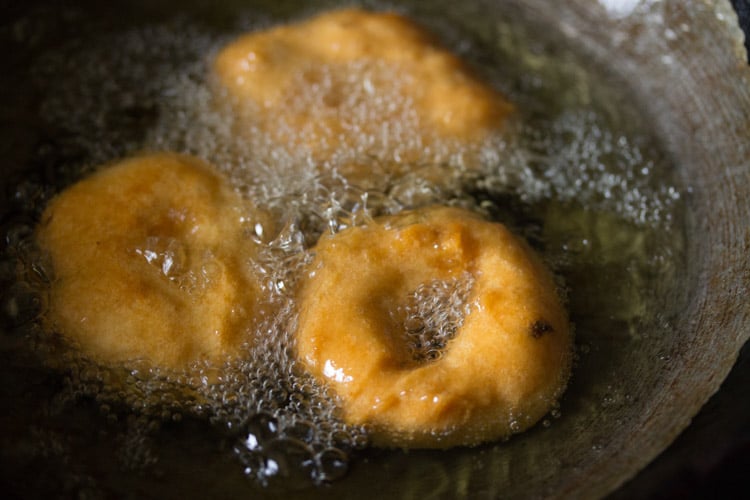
(572, 174)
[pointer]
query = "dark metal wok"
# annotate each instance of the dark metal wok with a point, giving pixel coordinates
(685, 69)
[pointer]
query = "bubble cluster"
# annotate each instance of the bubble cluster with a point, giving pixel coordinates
(276, 450)
(22, 274)
(580, 159)
(169, 256)
(433, 313)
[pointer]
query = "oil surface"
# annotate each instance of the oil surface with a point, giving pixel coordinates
(575, 175)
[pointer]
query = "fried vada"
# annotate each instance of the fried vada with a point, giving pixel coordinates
(151, 263)
(501, 371)
(378, 71)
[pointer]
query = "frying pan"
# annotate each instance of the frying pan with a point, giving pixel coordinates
(683, 64)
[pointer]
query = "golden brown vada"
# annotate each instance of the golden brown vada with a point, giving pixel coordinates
(504, 368)
(271, 68)
(150, 258)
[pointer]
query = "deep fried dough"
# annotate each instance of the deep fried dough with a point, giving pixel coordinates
(271, 68)
(502, 371)
(151, 258)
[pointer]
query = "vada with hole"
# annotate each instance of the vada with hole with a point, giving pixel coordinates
(504, 368)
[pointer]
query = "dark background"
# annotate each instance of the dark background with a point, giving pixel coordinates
(711, 458)
(743, 11)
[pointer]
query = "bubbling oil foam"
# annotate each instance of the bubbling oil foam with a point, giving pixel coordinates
(432, 314)
(151, 89)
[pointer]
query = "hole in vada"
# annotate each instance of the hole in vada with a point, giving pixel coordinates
(432, 314)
